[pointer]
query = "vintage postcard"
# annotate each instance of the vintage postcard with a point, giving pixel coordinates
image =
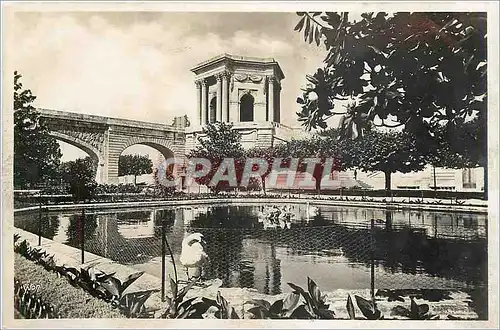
(250, 164)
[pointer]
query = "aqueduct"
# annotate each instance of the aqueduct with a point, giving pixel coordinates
(105, 138)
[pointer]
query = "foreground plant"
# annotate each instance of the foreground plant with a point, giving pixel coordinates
(368, 308)
(416, 311)
(218, 308)
(313, 305)
(30, 305)
(97, 283)
(176, 307)
(280, 309)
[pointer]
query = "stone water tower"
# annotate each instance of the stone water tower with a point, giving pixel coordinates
(244, 91)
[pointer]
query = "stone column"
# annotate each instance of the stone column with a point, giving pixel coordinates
(103, 159)
(218, 115)
(270, 103)
(278, 104)
(198, 101)
(225, 97)
(204, 92)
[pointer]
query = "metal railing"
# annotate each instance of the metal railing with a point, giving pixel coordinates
(394, 256)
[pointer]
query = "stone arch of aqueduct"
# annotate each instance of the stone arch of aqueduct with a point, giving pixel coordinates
(104, 138)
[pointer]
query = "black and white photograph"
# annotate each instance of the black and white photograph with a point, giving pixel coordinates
(249, 163)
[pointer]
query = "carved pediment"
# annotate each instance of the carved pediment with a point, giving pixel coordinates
(240, 77)
(255, 78)
(248, 78)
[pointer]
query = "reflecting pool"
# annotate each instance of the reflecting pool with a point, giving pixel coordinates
(336, 246)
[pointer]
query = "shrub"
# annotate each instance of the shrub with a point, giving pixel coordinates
(94, 282)
(67, 301)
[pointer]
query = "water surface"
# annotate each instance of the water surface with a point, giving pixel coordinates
(336, 247)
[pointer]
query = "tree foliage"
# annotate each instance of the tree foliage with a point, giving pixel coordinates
(134, 165)
(388, 152)
(160, 188)
(267, 155)
(218, 141)
(79, 177)
(424, 70)
(460, 146)
(36, 154)
(376, 150)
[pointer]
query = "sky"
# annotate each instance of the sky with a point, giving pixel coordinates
(136, 65)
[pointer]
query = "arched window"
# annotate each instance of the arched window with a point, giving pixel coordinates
(246, 107)
(213, 109)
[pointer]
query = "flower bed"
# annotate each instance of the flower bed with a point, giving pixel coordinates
(66, 300)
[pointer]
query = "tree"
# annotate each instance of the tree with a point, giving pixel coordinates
(160, 188)
(388, 152)
(219, 141)
(79, 176)
(422, 71)
(36, 154)
(134, 165)
(265, 154)
(320, 147)
(460, 146)
(425, 69)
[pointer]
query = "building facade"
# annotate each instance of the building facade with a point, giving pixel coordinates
(467, 179)
(243, 91)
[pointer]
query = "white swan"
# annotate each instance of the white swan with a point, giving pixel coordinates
(193, 255)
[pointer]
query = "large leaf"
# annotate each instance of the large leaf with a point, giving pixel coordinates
(276, 307)
(260, 303)
(184, 290)
(233, 314)
(317, 36)
(186, 312)
(350, 308)
(133, 303)
(186, 305)
(131, 279)
(423, 309)
(367, 308)
(104, 277)
(417, 311)
(297, 289)
(300, 24)
(307, 28)
(258, 312)
(113, 286)
(173, 287)
(301, 313)
(314, 292)
(291, 301)
(325, 314)
(224, 306)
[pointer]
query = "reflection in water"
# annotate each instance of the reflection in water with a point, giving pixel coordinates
(334, 245)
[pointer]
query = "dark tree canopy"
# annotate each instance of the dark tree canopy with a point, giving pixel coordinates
(79, 177)
(134, 165)
(423, 69)
(388, 152)
(36, 154)
(218, 141)
(423, 72)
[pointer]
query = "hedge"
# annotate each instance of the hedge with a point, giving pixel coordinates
(68, 301)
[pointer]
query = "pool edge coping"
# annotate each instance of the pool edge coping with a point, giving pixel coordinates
(248, 200)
